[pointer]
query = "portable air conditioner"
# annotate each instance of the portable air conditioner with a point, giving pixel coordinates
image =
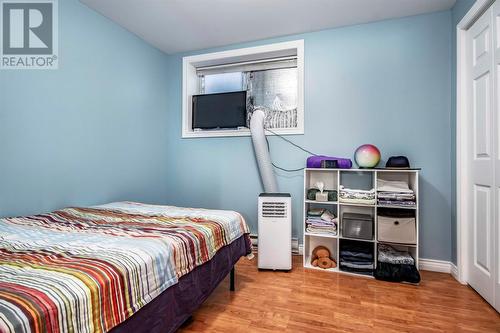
(275, 231)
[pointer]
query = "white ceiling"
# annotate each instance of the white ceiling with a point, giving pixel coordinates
(185, 25)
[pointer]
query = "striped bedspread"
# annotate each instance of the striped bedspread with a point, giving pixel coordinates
(89, 269)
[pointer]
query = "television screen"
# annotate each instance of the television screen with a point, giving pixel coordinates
(224, 110)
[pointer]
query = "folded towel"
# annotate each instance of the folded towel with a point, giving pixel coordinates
(396, 196)
(396, 203)
(357, 196)
(393, 186)
(351, 265)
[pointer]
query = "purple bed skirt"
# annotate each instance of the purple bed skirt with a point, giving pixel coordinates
(167, 312)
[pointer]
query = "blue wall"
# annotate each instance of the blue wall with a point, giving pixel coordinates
(91, 132)
(106, 126)
(457, 13)
(386, 83)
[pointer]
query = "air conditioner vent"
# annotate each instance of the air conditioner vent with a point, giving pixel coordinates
(274, 209)
(275, 231)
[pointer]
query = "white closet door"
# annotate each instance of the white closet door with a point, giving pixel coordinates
(482, 263)
(496, 145)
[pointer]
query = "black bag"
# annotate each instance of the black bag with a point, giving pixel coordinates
(397, 273)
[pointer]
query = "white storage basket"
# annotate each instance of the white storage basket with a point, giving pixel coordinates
(397, 229)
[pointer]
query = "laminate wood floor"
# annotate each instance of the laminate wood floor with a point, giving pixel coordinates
(313, 301)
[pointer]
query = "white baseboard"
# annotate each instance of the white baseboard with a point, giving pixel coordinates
(433, 265)
(454, 273)
(440, 266)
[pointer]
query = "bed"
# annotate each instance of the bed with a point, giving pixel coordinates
(120, 267)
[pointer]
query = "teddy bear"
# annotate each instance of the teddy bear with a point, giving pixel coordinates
(321, 258)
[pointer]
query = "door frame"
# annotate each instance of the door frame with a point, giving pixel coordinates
(462, 136)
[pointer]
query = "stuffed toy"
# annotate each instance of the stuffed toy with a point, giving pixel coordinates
(321, 258)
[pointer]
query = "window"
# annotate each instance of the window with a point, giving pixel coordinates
(272, 90)
(275, 91)
(219, 83)
(272, 76)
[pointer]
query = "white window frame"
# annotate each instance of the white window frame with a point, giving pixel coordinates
(190, 83)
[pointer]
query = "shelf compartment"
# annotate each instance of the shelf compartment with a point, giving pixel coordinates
(328, 177)
(361, 246)
(408, 177)
(312, 241)
(361, 180)
(412, 249)
(397, 226)
(368, 210)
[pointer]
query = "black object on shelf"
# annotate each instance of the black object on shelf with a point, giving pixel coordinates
(356, 257)
(356, 225)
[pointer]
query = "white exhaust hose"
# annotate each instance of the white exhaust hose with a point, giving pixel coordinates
(262, 152)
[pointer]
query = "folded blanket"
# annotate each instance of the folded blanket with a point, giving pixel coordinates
(321, 226)
(356, 270)
(356, 253)
(393, 186)
(321, 223)
(358, 266)
(358, 201)
(313, 230)
(396, 196)
(357, 196)
(396, 203)
(357, 259)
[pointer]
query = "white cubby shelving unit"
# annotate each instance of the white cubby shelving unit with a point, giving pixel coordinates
(364, 179)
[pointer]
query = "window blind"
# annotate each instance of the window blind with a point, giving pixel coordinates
(249, 66)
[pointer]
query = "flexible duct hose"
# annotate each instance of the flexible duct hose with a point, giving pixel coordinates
(262, 152)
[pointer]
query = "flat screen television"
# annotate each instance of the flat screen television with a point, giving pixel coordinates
(222, 110)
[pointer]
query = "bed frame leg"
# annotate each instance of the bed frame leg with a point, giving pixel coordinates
(231, 280)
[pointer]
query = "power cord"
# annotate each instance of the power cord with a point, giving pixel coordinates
(290, 142)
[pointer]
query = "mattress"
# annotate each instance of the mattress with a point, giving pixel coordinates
(89, 269)
(167, 312)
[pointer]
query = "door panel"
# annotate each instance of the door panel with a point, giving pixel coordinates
(480, 45)
(482, 116)
(482, 229)
(482, 155)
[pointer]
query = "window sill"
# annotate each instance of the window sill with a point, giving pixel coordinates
(240, 132)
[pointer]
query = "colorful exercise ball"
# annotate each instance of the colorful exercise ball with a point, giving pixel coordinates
(367, 156)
